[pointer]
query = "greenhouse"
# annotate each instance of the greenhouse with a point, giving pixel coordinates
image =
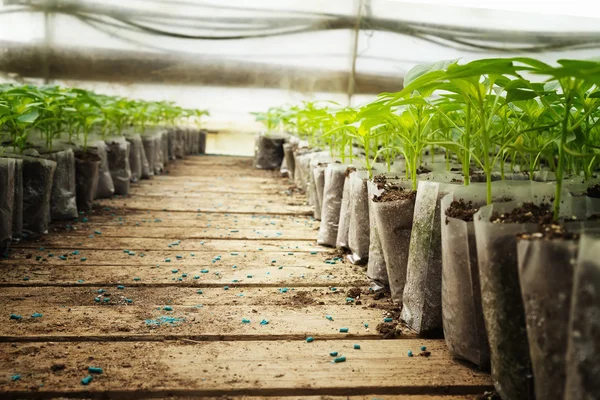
(350, 199)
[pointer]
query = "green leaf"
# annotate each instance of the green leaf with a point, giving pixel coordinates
(519, 94)
(423, 69)
(28, 118)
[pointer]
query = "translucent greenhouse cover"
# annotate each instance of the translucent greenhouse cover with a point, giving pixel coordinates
(232, 57)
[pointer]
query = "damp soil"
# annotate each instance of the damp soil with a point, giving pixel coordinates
(394, 194)
(593, 191)
(461, 209)
(527, 213)
(423, 170)
(354, 292)
(87, 156)
(349, 170)
(549, 232)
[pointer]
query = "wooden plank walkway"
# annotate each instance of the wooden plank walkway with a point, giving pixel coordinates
(166, 289)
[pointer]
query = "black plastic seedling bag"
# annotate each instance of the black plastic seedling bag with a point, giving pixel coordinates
(159, 165)
(319, 179)
(376, 269)
(179, 143)
(546, 277)
(106, 187)
(583, 348)
(288, 164)
(202, 142)
(335, 176)
(63, 203)
(502, 303)
(359, 227)
(165, 147)
(38, 175)
(87, 166)
(394, 221)
(172, 143)
(136, 151)
(118, 162)
(149, 149)
(7, 194)
(268, 152)
(17, 220)
(462, 312)
(341, 241)
(422, 296)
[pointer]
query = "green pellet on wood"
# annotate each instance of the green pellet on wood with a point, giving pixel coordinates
(344, 330)
(15, 317)
(199, 292)
(310, 339)
(388, 319)
(245, 321)
(333, 354)
(410, 353)
(36, 315)
(168, 308)
(329, 317)
(225, 287)
(357, 347)
(339, 359)
(95, 370)
(423, 348)
(87, 380)
(120, 287)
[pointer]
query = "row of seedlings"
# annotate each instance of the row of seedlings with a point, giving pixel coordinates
(62, 148)
(472, 196)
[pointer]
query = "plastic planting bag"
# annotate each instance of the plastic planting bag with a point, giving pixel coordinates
(393, 214)
(7, 194)
(376, 269)
(17, 220)
(159, 166)
(172, 139)
(179, 143)
(359, 227)
(462, 313)
(288, 165)
(106, 187)
(135, 156)
(165, 148)
(546, 277)
(335, 176)
(501, 293)
(422, 296)
(341, 241)
(87, 166)
(319, 179)
(63, 203)
(118, 162)
(150, 151)
(268, 152)
(583, 349)
(38, 175)
(202, 142)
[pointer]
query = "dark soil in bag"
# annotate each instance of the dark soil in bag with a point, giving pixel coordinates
(158, 154)
(165, 147)
(7, 194)
(359, 228)
(546, 276)
(202, 142)
(17, 220)
(135, 157)
(63, 204)
(106, 187)
(38, 175)
(335, 176)
(462, 312)
(179, 143)
(149, 149)
(341, 241)
(496, 230)
(376, 268)
(87, 166)
(319, 179)
(393, 213)
(172, 139)
(583, 349)
(118, 162)
(288, 159)
(268, 152)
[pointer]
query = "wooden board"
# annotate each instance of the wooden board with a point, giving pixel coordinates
(237, 368)
(202, 347)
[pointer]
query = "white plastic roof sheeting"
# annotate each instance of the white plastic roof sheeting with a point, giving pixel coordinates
(293, 36)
